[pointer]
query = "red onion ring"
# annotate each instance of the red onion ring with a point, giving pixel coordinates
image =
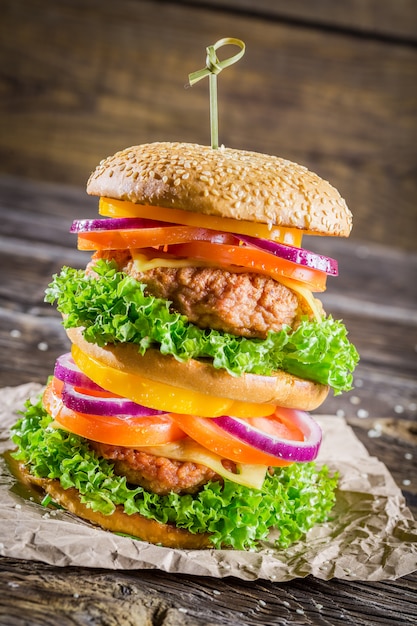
(112, 407)
(115, 223)
(298, 451)
(301, 256)
(68, 372)
(294, 254)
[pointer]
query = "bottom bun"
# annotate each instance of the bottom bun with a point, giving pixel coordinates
(135, 525)
(281, 388)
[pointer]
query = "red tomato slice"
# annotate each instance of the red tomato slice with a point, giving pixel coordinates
(58, 385)
(130, 432)
(123, 239)
(251, 259)
(211, 436)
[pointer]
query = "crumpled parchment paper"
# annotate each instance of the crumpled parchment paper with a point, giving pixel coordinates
(373, 535)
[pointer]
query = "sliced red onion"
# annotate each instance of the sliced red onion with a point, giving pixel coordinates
(285, 449)
(283, 251)
(115, 223)
(68, 372)
(294, 254)
(113, 407)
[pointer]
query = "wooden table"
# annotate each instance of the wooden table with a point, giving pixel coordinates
(376, 296)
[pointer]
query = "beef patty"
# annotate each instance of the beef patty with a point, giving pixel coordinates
(156, 473)
(241, 303)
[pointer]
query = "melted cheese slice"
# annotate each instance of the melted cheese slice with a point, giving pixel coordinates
(123, 208)
(304, 293)
(142, 263)
(189, 450)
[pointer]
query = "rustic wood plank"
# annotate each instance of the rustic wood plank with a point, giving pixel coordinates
(107, 75)
(371, 17)
(46, 595)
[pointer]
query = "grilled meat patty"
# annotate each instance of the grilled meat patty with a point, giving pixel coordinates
(241, 303)
(156, 473)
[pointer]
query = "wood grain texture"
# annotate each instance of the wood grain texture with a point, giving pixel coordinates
(327, 84)
(38, 594)
(82, 79)
(391, 20)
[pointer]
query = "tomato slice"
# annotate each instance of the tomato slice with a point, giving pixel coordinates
(58, 385)
(131, 432)
(162, 396)
(124, 238)
(122, 208)
(232, 256)
(211, 436)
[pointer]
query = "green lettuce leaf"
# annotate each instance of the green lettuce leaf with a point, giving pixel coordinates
(113, 308)
(293, 500)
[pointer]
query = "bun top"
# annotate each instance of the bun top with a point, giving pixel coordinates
(226, 182)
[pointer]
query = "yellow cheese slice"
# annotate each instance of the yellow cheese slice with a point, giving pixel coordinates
(189, 450)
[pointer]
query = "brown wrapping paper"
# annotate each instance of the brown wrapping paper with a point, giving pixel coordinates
(373, 536)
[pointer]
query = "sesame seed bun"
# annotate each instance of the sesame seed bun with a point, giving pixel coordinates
(226, 182)
(281, 388)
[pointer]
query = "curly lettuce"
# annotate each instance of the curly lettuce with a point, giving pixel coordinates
(113, 308)
(293, 500)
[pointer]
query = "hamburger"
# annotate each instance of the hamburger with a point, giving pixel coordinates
(198, 349)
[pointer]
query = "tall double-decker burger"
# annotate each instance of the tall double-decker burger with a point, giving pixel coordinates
(180, 416)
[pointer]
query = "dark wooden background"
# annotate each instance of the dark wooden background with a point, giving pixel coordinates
(332, 85)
